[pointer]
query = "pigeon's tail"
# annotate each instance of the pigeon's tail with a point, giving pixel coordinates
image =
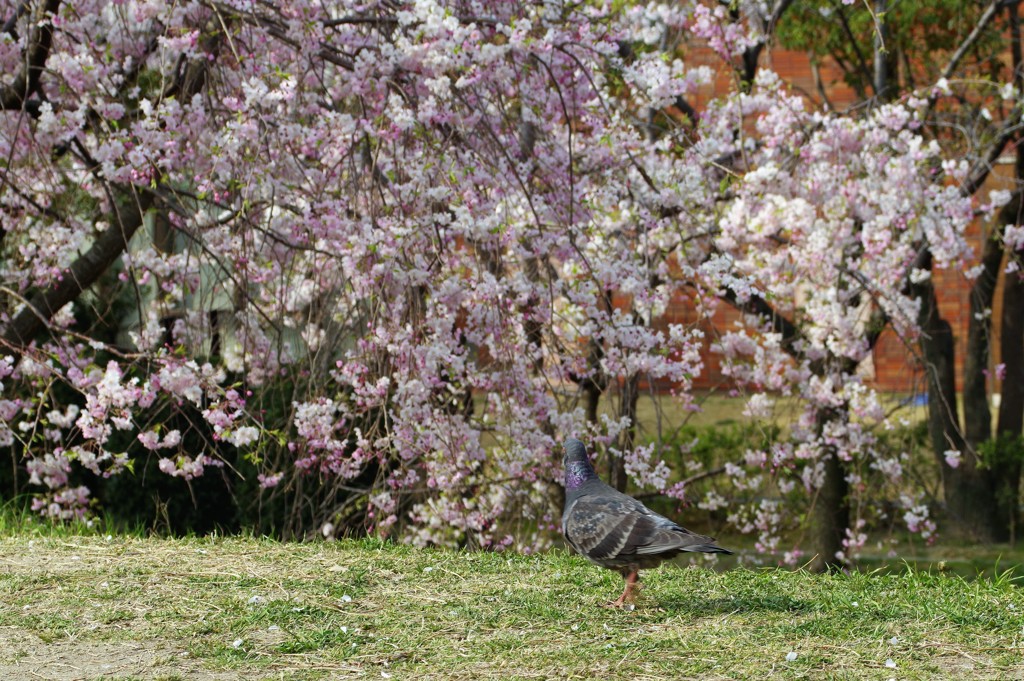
(708, 548)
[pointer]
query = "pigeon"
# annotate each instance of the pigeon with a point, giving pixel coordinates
(614, 530)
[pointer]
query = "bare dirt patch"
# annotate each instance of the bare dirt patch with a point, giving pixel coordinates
(25, 656)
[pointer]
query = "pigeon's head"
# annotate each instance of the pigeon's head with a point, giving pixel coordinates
(577, 464)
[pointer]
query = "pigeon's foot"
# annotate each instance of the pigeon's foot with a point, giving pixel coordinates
(633, 587)
(625, 601)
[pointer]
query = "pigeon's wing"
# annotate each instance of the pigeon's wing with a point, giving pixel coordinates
(607, 527)
(599, 528)
(668, 536)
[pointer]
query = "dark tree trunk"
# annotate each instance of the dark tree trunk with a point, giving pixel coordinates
(977, 416)
(829, 516)
(627, 409)
(26, 81)
(830, 510)
(595, 382)
(1011, 406)
(533, 328)
(967, 488)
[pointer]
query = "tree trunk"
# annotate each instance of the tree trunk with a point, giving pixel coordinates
(595, 382)
(977, 416)
(967, 488)
(1007, 466)
(1011, 406)
(627, 409)
(26, 81)
(830, 516)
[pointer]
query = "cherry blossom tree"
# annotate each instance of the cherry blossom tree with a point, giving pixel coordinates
(369, 253)
(402, 221)
(971, 75)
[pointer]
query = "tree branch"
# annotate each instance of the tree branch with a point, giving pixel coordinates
(969, 41)
(753, 53)
(83, 273)
(787, 329)
(278, 30)
(983, 168)
(862, 63)
(12, 22)
(26, 83)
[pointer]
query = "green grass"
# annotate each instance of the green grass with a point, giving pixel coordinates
(216, 608)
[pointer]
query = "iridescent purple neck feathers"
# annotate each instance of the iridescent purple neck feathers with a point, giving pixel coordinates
(577, 464)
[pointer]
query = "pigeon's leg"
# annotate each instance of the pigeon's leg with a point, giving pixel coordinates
(629, 593)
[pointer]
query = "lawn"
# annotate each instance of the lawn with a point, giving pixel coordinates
(83, 606)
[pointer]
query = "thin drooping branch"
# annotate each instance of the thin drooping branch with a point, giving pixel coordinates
(1011, 404)
(381, 20)
(682, 484)
(1010, 127)
(277, 28)
(977, 415)
(946, 432)
(967, 489)
(968, 486)
(129, 205)
(937, 346)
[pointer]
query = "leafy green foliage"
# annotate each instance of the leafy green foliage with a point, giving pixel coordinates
(919, 32)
